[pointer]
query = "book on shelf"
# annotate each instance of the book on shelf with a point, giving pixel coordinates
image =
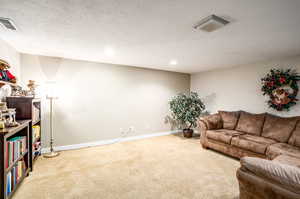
(36, 132)
(37, 148)
(15, 147)
(14, 176)
(35, 113)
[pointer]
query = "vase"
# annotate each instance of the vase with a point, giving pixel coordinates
(188, 133)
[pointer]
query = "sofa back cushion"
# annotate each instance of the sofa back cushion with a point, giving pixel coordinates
(295, 138)
(229, 119)
(279, 128)
(213, 121)
(251, 123)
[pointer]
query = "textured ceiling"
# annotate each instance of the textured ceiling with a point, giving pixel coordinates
(150, 33)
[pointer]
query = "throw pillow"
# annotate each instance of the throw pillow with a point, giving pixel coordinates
(279, 128)
(229, 119)
(214, 121)
(251, 123)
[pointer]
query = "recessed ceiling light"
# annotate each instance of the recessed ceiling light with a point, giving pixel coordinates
(173, 62)
(109, 51)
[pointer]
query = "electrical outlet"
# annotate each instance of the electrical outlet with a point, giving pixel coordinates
(131, 129)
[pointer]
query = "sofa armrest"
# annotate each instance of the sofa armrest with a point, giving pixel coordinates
(285, 175)
(202, 125)
(203, 128)
(208, 123)
(211, 122)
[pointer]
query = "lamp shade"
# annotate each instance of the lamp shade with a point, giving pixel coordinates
(51, 89)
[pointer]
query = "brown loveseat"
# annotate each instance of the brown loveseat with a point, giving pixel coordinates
(241, 134)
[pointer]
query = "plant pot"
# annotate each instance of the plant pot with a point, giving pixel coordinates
(188, 133)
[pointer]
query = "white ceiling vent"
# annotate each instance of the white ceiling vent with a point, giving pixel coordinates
(8, 23)
(211, 23)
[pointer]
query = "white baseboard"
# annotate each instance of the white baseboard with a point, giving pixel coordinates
(105, 142)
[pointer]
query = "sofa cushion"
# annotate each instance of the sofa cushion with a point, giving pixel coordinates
(222, 135)
(252, 143)
(289, 160)
(279, 128)
(213, 121)
(229, 119)
(251, 123)
(285, 175)
(295, 137)
(282, 149)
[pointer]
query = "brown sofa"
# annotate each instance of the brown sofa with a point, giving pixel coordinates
(240, 134)
(265, 179)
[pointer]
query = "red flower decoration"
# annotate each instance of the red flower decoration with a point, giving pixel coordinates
(271, 84)
(282, 80)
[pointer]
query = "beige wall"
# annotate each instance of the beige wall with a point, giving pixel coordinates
(10, 55)
(238, 88)
(96, 100)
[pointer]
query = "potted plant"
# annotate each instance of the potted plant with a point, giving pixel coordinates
(186, 109)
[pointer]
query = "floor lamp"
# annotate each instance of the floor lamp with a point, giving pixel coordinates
(51, 96)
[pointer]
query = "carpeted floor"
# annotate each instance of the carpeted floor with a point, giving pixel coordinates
(168, 167)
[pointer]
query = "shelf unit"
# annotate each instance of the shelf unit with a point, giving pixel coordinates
(5, 134)
(28, 108)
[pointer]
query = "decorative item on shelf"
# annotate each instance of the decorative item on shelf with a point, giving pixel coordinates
(5, 75)
(51, 95)
(3, 106)
(5, 91)
(2, 122)
(9, 117)
(282, 88)
(32, 86)
(17, 91)
(186, 109)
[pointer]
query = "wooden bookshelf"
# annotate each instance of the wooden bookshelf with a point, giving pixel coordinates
(5, 135)
(28, 108)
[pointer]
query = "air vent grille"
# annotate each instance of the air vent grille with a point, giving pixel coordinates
(211, 23)
(8, 23)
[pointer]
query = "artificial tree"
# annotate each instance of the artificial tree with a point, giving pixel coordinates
(186, 109)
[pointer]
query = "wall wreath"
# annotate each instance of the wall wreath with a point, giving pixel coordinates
(282, 88)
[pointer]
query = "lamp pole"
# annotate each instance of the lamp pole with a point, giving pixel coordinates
(52, 153)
